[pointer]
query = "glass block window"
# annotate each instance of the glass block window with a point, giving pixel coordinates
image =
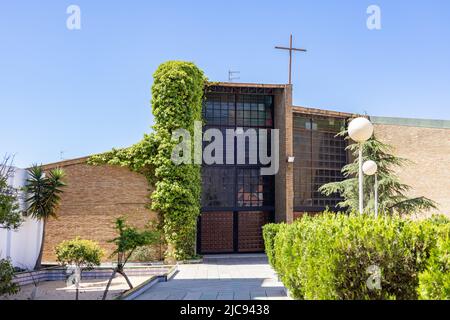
(254, 190)
(239, 186)
(319, 158)
(254, 111)
(219, 110)
(217, 187)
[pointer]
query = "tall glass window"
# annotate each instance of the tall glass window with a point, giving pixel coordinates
(238, 186)
(319, 158)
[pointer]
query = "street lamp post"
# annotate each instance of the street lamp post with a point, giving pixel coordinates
(360, 130)
(370, 168)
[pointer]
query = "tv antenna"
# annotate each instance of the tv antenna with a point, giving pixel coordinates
(233, 75)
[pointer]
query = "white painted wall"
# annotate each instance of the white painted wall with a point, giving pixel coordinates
(22, 245)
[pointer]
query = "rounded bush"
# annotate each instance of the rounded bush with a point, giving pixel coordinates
(352, 257)
(79, 252)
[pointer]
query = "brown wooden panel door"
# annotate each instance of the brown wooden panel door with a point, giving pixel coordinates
(250, 225)
(216, 232)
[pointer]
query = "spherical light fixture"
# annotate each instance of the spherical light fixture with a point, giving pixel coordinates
(360, 129)
(370, 168)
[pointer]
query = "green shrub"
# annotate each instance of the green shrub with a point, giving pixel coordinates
(269, 233)
(149, 253)
(82, 253)
(177, 94)
(335, 256)
(434, 282)
(6, 277)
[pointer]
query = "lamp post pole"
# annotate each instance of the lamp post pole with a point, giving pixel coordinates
(370, 168)
(361, 179)
(376, 195)
(360, 130)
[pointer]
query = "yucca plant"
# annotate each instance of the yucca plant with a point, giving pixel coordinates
(44, 195)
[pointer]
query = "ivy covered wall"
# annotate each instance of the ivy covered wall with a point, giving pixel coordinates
(177, 94)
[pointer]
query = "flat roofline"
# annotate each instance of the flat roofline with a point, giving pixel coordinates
(323, 112)
(65, 163)
(412, 122)
(248, 85)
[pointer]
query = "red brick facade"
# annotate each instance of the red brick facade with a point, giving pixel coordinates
(93, 198)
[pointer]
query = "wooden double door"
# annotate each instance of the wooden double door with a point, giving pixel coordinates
(232, 231)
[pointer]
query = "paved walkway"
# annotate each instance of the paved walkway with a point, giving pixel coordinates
(247, 277)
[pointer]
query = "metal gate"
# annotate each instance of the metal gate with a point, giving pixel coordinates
(232, 231)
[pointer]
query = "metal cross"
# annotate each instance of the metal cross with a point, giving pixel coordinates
(290, 56)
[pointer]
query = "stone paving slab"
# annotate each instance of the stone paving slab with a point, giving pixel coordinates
(221, 278)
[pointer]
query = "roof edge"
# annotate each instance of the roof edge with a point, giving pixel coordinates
(65, 163)
(323, 112)
(412, 122)
(244, 84)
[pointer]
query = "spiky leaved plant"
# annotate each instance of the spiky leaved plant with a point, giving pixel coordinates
(44, 195)
(392, 193)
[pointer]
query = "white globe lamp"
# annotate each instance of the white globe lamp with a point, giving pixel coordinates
(360, 130)
(370, 168)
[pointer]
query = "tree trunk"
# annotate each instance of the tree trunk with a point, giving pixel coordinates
(77, 285)
(109, 283)
(41, 251)
(126, 278)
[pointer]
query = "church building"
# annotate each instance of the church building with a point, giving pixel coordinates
(236, 199)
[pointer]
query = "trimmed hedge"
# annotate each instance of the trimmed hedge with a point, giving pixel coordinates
(269, 233)
(341, 257)
(434, 282)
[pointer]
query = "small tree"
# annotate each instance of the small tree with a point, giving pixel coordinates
(6, 276)
(127, 241)
(10, 215)
(83, 254)
(391, 192)
(44, 195)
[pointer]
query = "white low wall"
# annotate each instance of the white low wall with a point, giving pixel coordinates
(22, 245)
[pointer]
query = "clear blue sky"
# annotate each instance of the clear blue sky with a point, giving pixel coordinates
(86, 91)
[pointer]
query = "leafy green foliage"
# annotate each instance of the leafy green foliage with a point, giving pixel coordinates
(44, 196)
(129, 239)
(44, 192)
(10, 215)
(269, 233)
(331, 256)
(137, 158)
(177, 103)
(82, 253)
(7, 286)
(434, 282)
(392, 194)
(177, 94)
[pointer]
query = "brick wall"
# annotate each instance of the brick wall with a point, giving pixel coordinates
(429, 150)
(93, 198)
(284, 178)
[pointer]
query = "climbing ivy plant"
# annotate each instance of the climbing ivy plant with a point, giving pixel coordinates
(177, 94)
